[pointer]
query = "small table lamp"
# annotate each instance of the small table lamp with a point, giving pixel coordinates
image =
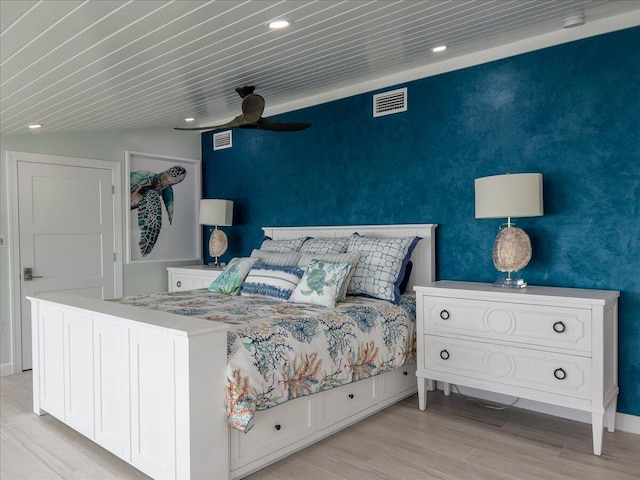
(216, 213)
(510, 195)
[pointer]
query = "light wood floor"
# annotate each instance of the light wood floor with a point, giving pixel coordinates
(455, 439)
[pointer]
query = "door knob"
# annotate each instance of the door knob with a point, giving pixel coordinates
(28, 274)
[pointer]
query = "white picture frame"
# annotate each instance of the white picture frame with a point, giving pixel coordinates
(178, 240)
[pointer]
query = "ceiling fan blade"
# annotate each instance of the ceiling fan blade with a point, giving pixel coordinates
(252, 108)
(241, 120)
(266, 124)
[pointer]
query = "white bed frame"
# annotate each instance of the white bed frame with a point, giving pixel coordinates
(149, 386)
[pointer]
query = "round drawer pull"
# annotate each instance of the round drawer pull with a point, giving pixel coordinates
(351, 395)
(444, 355)
(178, 283)
(278, 426)
(405, 373)
(559, 327)
(444, 315)
(560, 374)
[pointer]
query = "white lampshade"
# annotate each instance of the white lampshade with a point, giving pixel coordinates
(216, 212)
(511, 195)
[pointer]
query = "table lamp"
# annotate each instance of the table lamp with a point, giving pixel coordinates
(510, 195)
(216, 213)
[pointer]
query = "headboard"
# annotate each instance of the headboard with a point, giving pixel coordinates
(423, 257)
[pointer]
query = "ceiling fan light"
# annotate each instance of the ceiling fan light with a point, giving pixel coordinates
(279, 24)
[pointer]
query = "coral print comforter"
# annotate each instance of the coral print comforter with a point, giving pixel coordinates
(279, 351)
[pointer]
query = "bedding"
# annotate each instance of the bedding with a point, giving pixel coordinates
(278, 351)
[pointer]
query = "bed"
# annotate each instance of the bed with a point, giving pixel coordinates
(149, 385)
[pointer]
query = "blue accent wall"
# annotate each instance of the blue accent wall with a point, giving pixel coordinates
(570, 112)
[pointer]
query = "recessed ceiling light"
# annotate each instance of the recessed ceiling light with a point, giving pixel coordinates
(439, 49)
(278, 24)
(190, 119)
(35, 126)
(573, 21)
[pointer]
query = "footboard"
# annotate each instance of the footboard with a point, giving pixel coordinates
(139, 383)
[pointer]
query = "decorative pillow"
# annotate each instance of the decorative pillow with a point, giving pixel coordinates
(269, 245)
(230, 280)
(381, 267)
(321, 283)
(276, 258)
(353, 258)
(325, 245)
(271, 281)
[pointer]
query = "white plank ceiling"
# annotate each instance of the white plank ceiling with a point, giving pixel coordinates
(104, 64)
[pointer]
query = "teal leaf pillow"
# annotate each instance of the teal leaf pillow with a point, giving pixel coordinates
(352, 258)
(230, 280)
(321, 283)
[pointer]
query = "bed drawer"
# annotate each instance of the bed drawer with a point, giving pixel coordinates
(273, 429)
(522, 367)
(558, 327)
(397, 381)
(342, 402)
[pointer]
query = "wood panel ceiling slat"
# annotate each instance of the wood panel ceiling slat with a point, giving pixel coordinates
(91, 65)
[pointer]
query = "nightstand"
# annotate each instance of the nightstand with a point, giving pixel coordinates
(553, 345)
(191, 277)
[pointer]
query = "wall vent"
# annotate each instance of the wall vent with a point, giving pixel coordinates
(393, 101)
(222, 140)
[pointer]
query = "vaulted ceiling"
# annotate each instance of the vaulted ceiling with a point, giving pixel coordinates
(103, 64)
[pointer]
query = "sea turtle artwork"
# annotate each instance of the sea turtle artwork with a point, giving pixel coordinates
(146, 190)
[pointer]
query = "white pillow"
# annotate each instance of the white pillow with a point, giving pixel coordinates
(270, 245)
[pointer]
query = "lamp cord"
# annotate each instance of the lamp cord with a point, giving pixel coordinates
(485, 404)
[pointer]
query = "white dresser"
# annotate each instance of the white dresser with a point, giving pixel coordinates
(553, 345)
(191, 277)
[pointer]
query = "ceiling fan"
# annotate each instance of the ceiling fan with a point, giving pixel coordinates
(251, 116)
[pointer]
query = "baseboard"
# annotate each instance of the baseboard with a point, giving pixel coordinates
(6, 369)
(628, 423)
(624, 422)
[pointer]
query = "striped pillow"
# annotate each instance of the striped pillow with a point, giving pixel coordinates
(276, 258)
(271, 281)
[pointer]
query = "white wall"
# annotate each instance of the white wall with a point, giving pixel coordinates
(109, 145)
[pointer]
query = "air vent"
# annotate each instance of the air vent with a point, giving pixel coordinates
(222, 140)
(394, 101)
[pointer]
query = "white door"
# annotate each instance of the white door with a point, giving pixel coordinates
(66, 228)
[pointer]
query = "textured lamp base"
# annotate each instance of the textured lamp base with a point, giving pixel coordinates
(510, 283)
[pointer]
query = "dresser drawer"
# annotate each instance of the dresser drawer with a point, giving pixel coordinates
(340, 403)
(274, 429)
(538, 370)
(191, 278)
(558, 327)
